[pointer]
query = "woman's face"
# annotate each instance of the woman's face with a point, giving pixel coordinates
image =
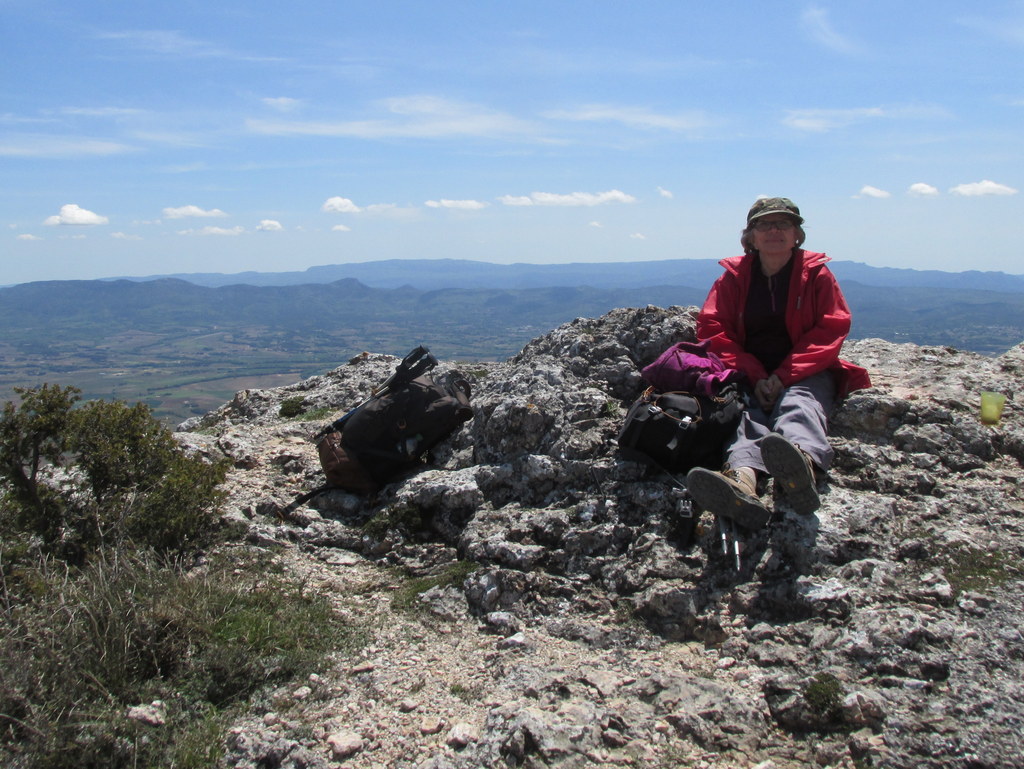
(775, 234)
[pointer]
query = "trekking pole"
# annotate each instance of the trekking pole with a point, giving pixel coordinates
(417, 362)
(730, 541)
(735, 545)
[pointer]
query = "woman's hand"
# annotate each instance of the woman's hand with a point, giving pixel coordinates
(767, 392)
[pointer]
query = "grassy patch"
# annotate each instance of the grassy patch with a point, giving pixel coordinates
(466, 693)
(295, 408)
(406, 598)
(315, 415)
(78, 649)
(974, 570)
(404, 516)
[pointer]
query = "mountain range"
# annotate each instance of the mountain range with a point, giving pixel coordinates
(186, 343)
(433, 274)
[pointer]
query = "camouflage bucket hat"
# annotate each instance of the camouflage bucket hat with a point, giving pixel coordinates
(765, 206)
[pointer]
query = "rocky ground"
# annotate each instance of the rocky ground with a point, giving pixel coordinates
(582, 629)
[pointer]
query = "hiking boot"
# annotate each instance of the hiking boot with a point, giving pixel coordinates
(793, 472)
(732, 494)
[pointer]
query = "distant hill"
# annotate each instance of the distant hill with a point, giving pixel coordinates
(81, 310)
(431, 274)
(184, 348)
(472, 322)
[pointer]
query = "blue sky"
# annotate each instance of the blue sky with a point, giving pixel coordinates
(143, 138)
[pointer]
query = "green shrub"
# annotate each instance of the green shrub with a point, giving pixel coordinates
(102, 475)
(33, 437)
(405, 516)
(292, 407)
(824, 696)
(99, 508)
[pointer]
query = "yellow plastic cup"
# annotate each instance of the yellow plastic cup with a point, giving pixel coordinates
(992, 407)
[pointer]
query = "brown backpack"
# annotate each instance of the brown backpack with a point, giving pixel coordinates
(391, 433)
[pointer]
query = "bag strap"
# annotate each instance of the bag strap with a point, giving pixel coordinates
(286, 513)
(683, 420)
(418, 362)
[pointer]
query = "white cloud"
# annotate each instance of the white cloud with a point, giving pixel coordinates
(380, 208)
(124, 236)
(282, 103)
(341, 228)
(596, 224)
(867, 191)
(638, 236)
(338, 205)
(415, 117)
(634, 117)
(516, 200)
(214, 231)
(188, 211)
(665, 193)
(72, 214)
(114, 112)
(173, 43)
(572, 199)
(820, 120)
(985, 187)
(922, 190)
(167, 42)
(26, 236)
(465, 205)
(817, 25)
(55, 147)
(1009, 28)
(269, 225)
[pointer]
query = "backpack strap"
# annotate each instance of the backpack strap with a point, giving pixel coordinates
(418, 362)
(286, 513)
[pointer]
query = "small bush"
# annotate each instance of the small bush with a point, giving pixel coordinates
(404, 516)
(292, 407)
(79, 480)
(824, 696)
(99, 508)
(33, 437)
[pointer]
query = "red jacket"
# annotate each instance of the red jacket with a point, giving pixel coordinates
(817, 318)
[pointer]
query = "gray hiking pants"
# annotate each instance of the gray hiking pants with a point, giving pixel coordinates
(800, 415)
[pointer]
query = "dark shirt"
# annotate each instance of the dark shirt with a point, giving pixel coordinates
(764, 317)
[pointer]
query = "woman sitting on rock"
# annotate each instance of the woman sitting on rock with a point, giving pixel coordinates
(777, 315)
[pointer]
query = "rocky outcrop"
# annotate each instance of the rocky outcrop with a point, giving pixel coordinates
(885, 630)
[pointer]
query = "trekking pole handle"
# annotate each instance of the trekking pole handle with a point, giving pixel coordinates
(410, 360)
(423, 364)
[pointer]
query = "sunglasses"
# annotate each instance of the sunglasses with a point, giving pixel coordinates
(781, 225)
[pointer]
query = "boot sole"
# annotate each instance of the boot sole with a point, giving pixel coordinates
(716, 495)
(787, 465)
